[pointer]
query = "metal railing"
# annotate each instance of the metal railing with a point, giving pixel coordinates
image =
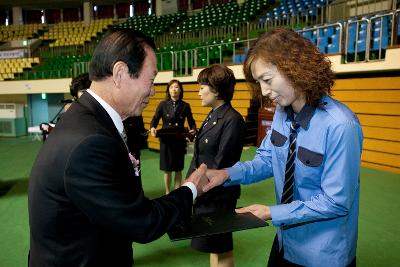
(44, 74)
(381, 19)
(183, 61)
(387, 36)
(358, 24)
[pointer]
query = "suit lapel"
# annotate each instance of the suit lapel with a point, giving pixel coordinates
(215, 117)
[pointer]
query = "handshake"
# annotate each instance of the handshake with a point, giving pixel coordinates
(205, 179)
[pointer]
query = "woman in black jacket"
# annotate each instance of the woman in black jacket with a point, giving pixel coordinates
(218, 144)
(173, 111)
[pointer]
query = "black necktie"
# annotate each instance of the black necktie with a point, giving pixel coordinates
(287, 195)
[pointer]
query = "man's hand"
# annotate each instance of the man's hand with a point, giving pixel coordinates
(199, 178)
(261, 211)
(216, 178)
(153, 131)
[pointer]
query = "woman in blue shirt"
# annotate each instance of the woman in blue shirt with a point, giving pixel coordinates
(316, 182)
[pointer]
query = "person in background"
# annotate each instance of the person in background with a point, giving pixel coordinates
(219, 144)
(136, 133)
(173, 111)
(313, 151)
(85, 197)
(79, 85)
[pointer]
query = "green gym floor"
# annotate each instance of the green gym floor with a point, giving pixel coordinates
(378, 238)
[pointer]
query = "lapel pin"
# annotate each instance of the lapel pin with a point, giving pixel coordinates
(214, 122)
(206, 141)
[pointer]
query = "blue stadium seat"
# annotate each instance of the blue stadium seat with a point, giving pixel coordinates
(361, 45)
(307, 34)
(375, 43)
(332, 49)
(237, 59)
(333, 46)
(322, 44)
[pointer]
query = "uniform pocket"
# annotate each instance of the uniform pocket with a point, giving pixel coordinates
(277, 139)
(309, 158)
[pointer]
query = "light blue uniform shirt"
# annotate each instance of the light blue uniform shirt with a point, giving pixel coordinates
(319, 228)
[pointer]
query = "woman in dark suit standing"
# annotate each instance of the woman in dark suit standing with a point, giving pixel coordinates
(173, 111)
(218, 144)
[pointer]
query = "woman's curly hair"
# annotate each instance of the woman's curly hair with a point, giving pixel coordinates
(297, 59)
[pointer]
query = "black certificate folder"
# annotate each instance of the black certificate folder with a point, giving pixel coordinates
(215, 223)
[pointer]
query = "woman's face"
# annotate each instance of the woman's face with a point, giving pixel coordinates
(276, 86)
(174, 91)
(208, 98)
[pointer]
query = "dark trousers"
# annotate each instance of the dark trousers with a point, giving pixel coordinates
(276, 257)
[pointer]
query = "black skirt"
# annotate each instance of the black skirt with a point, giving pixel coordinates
(219, 199)
(172, 154)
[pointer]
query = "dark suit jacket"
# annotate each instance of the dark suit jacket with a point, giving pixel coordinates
(136, 133)
(219, 145)
(86, 206)
(172, 119)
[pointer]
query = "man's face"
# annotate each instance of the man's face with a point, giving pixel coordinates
(135, 93)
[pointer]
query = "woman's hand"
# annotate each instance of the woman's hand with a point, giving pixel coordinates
(192, 134)
(153, 131)
(261, 211)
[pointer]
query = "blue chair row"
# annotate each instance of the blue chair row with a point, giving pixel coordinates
(239, 58)
(380, 32)
(327, 39)
(288, 8)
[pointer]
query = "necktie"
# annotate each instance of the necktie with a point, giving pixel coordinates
(207, 120)
(287, 195)
(124, 137)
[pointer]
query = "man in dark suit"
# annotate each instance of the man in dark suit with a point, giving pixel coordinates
(86, 201)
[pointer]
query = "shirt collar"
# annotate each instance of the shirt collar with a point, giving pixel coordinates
(116, 118)
(303, 117)
(217, 110)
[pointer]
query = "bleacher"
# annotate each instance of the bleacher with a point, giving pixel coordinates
(292, 8)
(183, 46)
(152, 25)
(223, 33)
(9, 68)
(223, 14)
(20, 32)
(75, 32)
(55, 67)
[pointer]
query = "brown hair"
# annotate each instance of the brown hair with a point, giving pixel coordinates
(168, 95)
(220, 79)
(296, 58)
